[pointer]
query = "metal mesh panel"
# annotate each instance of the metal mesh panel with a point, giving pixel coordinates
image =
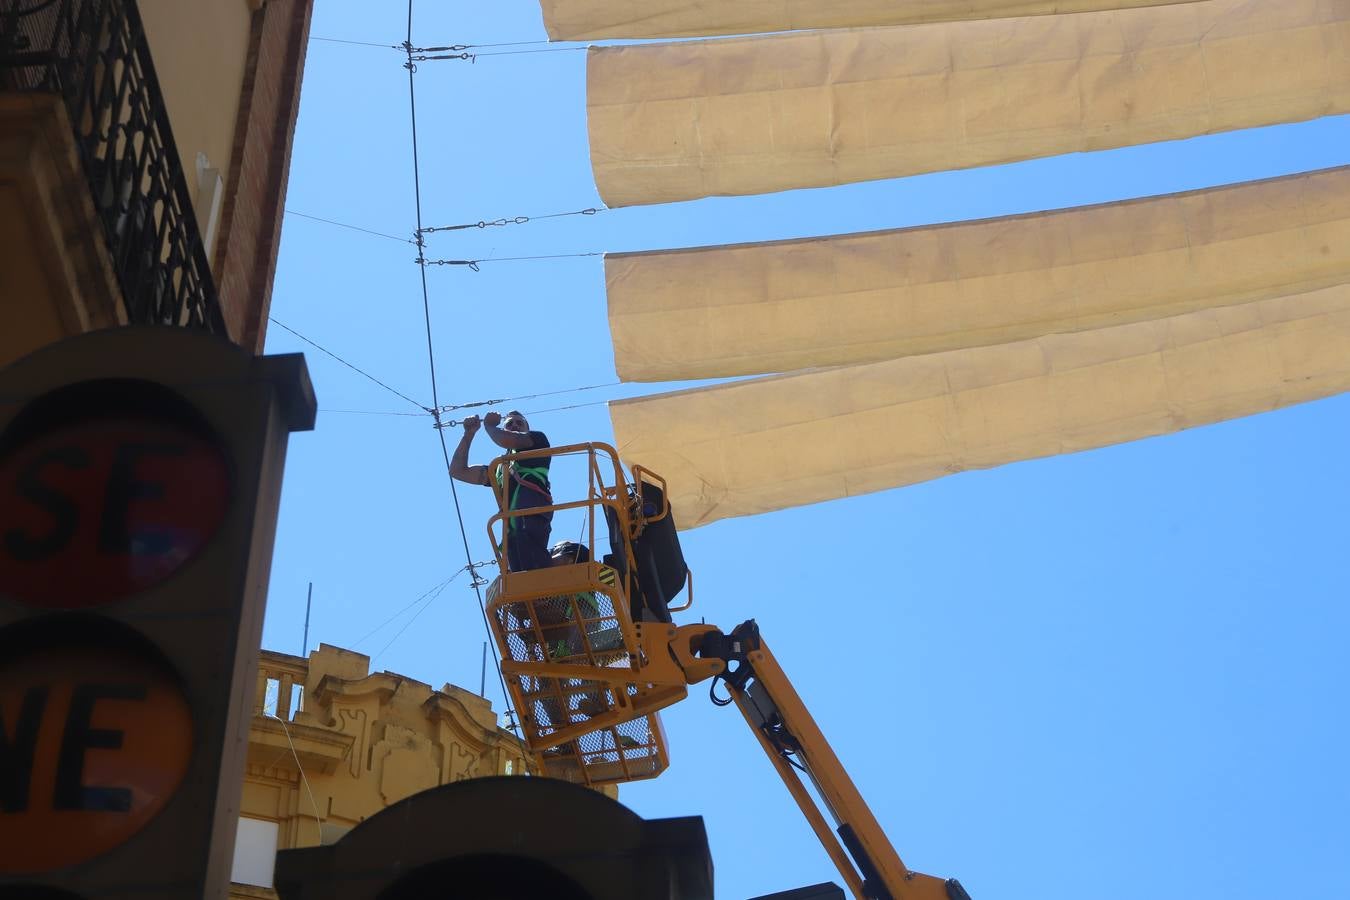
(582, 630)
(552, 704)
(627, 752)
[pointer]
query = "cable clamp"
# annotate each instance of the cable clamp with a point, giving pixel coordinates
(454, 406)
(471, 263)
(471, 57)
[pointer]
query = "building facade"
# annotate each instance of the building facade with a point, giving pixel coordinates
(144, 149)
(331, 744)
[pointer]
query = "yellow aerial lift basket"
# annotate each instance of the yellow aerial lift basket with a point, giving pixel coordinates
(568, 634)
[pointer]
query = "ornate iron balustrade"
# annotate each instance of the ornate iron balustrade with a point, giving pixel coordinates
(93, 53)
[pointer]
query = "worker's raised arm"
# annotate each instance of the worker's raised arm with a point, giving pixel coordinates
(459, 462)
(507, 439)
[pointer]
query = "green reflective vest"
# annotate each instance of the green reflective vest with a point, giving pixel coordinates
(528, 478)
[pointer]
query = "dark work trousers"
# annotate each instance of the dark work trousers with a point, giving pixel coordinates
(527, 543)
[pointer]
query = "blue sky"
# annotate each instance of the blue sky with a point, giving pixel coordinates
(1113, 674)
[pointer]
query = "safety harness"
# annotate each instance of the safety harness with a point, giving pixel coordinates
(520, 479)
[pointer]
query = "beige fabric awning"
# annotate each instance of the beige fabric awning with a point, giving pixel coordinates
(777, 307)
(578, 20)
(692, 119)
(772, 443)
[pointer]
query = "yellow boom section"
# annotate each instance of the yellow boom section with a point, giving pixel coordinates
(590, 655)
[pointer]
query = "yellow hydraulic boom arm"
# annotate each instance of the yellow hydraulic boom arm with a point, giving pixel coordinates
(799, 752)
(592, 656)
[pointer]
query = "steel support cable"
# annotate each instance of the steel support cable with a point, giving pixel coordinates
(318, 820)
(380, 627)
(476, 263)
(553, 409)
(451, 423)
(546, 50)
(328, 40)
(467, 46)
(461, 51)
(431, 360)
(514, 220)
(481, 224)
(402, 47)
(373, 412)
(359, 371)
(392, 237)
(589, 387)
(421, 597)
(465, 55)
(408, 624)
(497, 401)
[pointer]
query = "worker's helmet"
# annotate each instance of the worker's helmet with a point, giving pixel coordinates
(570, 551)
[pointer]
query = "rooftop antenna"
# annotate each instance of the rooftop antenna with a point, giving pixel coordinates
(304, 649)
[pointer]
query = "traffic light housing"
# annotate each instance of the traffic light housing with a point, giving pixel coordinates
(140, 474)
(508, 838)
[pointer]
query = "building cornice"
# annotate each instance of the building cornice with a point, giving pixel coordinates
(381, 684)
(287, 745)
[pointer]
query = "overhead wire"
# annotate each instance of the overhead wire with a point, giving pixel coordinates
(590, 387)
(571, 45)
(451, 423)
(480, 224)
(415, 55)
(354, 368)
(519, 52)
(408, 624)
(514, 220)
(392, 237)
(374, 412)
(262, 711)
(431, 360)
(450, 407)
(546, 256)
(420, 598)
(380, 627)
(540, 412)
(312, 802)
(476, 263)
(466, 56)
(466, 46)
(329, 40)
(462, 52)
(496, 401)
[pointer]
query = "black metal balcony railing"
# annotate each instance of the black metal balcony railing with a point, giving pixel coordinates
(93, 53)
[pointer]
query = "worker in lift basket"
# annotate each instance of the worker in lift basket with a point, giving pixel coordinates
(523, 485)
(557, 618)
(562, 630)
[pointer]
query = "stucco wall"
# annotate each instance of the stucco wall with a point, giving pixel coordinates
(200, 49)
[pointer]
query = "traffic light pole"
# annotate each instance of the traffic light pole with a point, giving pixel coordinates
(140, 476)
